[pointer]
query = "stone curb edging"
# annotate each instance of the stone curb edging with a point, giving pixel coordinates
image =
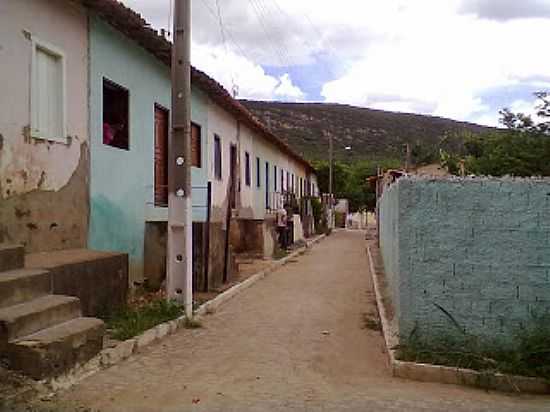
(123, 350)
(445, 374)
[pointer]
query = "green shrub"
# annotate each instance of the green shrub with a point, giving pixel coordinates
(130, 322)
(530, 356)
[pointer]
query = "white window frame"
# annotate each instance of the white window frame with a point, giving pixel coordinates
(49, 48)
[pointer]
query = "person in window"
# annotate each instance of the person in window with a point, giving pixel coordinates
(111, 129)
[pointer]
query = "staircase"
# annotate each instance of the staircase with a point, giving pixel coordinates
(41, 334)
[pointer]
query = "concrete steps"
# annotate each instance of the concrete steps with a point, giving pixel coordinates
(41, 334)
(58, 348)
(22, 285)
(11, 257)
(32, 316)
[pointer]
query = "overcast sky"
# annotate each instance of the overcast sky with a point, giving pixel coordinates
(463, 59)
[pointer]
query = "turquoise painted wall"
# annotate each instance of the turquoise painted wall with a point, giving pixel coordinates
(122, 182)
(477, 248)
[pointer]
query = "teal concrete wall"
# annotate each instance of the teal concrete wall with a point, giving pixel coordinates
(122, 182)
(474, 250)
(389, 239)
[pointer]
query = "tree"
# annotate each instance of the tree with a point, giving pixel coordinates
(521, 150)
(350, 180)
(521, 122)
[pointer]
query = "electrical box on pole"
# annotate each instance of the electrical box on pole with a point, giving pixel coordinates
(179, 277)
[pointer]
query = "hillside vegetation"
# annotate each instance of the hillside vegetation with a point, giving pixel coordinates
(372, 134)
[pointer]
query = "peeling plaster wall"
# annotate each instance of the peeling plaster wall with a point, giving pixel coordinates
(122, 181)
(43, 185)
(471, 251)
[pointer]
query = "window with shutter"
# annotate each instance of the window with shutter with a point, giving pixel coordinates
(47, 93)
(196, 158)
(161, 156)
(247, 168)
(258, 173)
(217, 157)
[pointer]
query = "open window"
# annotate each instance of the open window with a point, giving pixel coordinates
(115, 115)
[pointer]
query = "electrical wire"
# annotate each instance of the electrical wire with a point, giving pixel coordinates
(226, 31)
(259, 15)
(318, 33)
(169, 28)
(279, 32)
(234, 85)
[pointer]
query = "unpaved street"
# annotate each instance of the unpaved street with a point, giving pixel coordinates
(295, 341)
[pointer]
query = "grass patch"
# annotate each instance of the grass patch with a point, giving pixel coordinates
(371, 322)
(132, 321)
(530, 356)
(279, 253)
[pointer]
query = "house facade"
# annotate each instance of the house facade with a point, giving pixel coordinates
(128, 178)
(84, 144)
(44, 143)
(246, 167)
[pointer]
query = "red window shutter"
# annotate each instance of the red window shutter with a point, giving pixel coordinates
(161, 157)
(195, 145)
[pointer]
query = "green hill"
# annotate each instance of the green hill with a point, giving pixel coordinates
(372, 134)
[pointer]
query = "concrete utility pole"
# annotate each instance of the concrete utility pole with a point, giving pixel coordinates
(179, 265)
(330, 178)
(408, 155)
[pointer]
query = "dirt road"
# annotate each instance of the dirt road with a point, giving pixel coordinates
(295, 341)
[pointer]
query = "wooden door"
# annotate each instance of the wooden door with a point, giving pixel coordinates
(161, 156)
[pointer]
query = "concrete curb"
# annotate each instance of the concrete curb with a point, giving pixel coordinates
(445, 374)
(123, 350)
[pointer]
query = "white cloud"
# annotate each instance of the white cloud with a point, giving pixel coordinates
(507, 9)
(437, 57)
(287, 90)
(441, 63)
(237, 73)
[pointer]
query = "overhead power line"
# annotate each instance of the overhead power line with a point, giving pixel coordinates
(316, 31)
(234, 86)
(213, 14)
(263, 25)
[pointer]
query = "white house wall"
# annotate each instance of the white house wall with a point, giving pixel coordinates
(43, 183)
(251, 200)
(28, 164)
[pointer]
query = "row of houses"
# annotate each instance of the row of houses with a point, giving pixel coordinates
(85, 97)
